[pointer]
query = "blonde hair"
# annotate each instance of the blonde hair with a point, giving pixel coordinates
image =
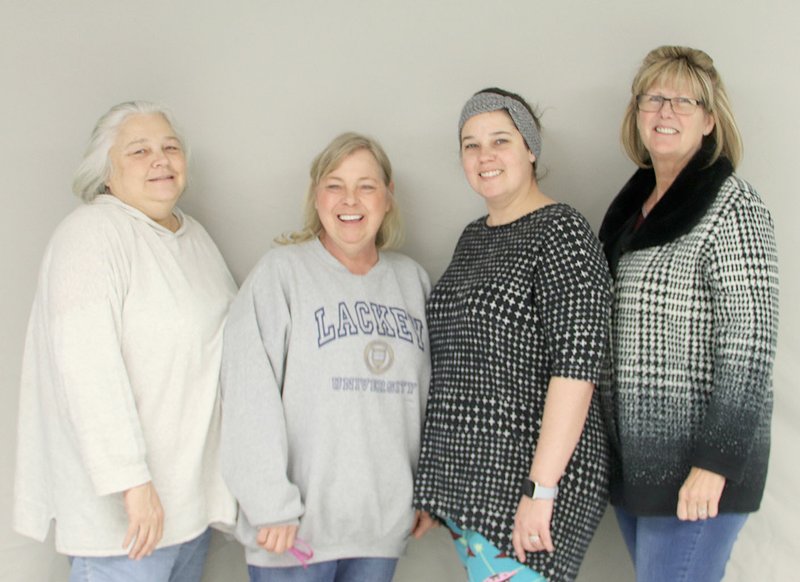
(678, 65)
(390, 233)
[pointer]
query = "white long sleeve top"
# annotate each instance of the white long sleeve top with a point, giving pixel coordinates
(120, 380)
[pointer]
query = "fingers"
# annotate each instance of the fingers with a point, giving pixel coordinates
(545, 540)
(694, 511)
(277, 539)
(145, 520)
(713, 507)
(130, 535)
(144, 540)
(530, 544)
(422, 523)
(531, 531)
(699, 495)
(290, 535)
(261, 538)
(519, 548)
(683, 509)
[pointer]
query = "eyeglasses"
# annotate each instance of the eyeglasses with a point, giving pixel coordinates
(680, 105)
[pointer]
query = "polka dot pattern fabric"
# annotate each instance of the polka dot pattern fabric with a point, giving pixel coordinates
(519, 304)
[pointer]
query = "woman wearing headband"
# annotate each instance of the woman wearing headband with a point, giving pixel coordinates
(514, 456)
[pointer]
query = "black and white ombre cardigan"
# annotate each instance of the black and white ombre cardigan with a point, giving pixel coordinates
(693, 337)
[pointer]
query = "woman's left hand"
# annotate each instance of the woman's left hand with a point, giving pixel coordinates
(699, 496)
(532, 527)
(145, 520)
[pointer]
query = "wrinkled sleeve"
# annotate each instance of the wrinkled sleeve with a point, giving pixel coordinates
(254, 441)
(83, 286)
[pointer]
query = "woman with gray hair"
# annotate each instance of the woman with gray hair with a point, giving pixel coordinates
(119, 409)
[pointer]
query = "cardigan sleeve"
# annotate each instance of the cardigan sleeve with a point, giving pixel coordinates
(82, 288)
(743, 276)
(254, 443)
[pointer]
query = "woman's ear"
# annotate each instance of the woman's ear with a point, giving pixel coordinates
(710, 123)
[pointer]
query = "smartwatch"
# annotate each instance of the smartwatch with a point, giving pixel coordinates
(535, 491)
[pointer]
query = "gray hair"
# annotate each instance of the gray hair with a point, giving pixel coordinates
(95, 167)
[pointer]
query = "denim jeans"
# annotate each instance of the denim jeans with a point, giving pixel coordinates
(179, 563)
(666, 549)
(349, 570)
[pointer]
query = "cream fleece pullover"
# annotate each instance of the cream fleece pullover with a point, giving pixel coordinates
(120, 380)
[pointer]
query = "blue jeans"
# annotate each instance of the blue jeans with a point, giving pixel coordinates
(179, 563)
(350, 570)
(666, 549)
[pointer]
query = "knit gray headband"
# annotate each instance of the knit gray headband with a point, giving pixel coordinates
(486, 102)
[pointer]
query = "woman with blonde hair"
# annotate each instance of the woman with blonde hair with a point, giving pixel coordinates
(325, 379)
(688, 396)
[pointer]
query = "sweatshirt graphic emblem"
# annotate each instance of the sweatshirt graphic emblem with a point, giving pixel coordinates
(379, 356)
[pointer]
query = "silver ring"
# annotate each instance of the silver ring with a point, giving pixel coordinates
(702, 513)
(534, 539)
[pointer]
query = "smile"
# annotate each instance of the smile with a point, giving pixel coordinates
(350, 217)
(666, 130)
(490, 173)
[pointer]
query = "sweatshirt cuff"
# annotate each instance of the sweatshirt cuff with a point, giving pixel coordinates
(119, 479)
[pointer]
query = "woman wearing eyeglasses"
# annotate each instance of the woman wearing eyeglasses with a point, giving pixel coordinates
(688, 396)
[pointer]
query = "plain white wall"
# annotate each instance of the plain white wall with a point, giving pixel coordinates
(260, 87)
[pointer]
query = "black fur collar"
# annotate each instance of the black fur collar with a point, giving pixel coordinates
(680, 209)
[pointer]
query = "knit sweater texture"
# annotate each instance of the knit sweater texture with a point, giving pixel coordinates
(120, 380)
(694, 327)
(325, 380)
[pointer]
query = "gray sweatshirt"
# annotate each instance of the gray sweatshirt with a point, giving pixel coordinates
(325, 379)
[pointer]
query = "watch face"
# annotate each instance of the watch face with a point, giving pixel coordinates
(535, 491)
(527, 487)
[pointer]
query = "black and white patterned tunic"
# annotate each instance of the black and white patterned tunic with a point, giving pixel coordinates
(519, 304)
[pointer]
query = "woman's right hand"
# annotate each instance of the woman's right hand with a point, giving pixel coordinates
(277, 539)
(531, 531)
(145, 520)
(423, 521)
